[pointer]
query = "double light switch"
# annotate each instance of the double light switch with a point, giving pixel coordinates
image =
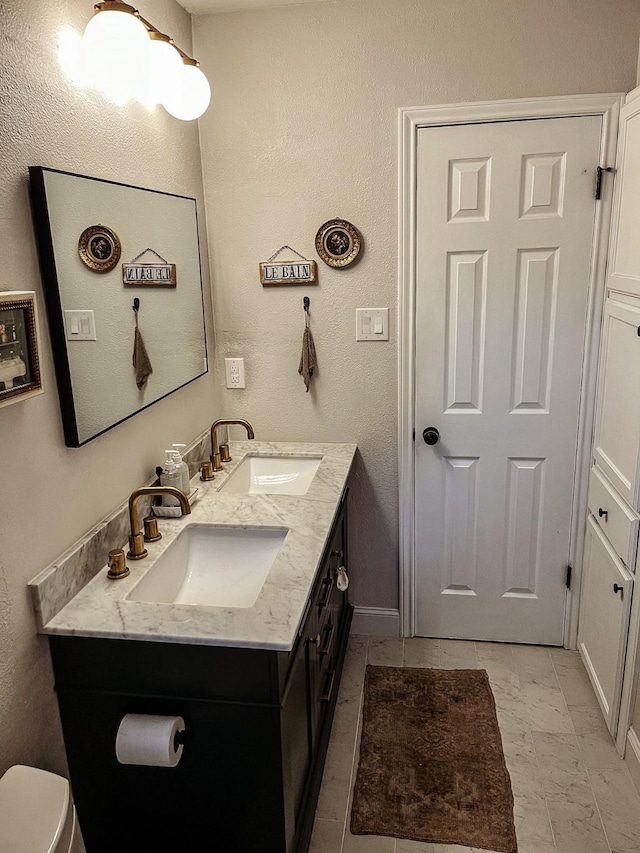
(80, 325)
(372, 324)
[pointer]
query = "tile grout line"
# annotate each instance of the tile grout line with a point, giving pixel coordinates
(533, 745)
(535, 752)
(545, 796)
(575, 734)
(395, 840)
(595, 799)
(355, 752)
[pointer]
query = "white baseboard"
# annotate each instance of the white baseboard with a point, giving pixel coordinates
(376, 622)
(632, 756)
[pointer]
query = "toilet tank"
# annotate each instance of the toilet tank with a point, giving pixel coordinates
(36, 813)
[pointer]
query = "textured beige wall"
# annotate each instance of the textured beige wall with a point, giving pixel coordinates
(51, 495)
(303, 128)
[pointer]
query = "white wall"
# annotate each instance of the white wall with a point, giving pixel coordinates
(51, 495)
(303, 128)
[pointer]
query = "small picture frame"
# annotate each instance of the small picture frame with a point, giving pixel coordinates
(99, 248)
(19, 350)
(339, 243)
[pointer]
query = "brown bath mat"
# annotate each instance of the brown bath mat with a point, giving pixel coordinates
(431, 762)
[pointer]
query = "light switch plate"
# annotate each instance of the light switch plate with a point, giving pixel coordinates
(372, 324)
(80, 325)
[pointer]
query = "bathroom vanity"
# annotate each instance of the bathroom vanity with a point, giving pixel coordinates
(256, 685)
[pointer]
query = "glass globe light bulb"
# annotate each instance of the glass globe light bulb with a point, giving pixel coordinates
(190, 98)
(165, 70)
(116, 49)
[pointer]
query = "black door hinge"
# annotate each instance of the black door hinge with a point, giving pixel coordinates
(599, 172)
(414, 431)
(568, 578)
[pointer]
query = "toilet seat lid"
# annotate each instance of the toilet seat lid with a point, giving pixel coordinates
(33, 809)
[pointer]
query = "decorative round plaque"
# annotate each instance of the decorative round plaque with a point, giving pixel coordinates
(339, 243)
(99, 248)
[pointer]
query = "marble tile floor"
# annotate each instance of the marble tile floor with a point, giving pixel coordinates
(572, 792)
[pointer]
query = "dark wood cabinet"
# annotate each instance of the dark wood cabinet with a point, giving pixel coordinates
(257, 725)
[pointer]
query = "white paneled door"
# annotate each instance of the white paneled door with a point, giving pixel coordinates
(505, 227)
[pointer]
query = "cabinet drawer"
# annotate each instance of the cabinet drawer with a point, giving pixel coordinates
(618, 522)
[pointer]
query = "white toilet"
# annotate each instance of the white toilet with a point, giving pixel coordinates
(37, 814)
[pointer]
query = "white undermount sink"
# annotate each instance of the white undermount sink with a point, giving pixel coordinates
(213, 566)
(273, 475)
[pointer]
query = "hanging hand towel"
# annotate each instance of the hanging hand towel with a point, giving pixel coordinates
(308, 362)
(141, 363)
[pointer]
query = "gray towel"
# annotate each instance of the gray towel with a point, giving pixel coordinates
(308, 361)
(141, 362)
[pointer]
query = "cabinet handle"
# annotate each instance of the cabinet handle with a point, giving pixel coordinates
(336, 558)
(603, 513)
(618, 589)
(326, 691)
(325, 647)
(314, 641)
(327, 583)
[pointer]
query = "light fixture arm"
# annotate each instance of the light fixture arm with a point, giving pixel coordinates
(154, 32)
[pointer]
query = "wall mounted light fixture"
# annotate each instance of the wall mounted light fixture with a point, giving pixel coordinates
(126, 56)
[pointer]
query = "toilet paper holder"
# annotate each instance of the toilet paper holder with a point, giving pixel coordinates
(152, 740)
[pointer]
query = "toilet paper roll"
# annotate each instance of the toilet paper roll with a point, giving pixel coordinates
(150, 740)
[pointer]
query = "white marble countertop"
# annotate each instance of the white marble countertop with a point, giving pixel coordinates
(101, 608)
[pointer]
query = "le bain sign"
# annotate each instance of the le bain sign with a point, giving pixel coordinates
(288, 272)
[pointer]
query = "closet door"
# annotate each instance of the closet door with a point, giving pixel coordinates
(604, 618)
(617, 433)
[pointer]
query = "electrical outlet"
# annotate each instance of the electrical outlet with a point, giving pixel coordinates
(234, 368)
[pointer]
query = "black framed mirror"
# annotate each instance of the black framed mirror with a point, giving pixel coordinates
(102, 245)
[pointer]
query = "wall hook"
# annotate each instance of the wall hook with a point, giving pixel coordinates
(306, 302)
(136, 305)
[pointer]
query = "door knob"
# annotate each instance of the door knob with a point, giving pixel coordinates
(603, 513)
(618, 589)
(431, 435)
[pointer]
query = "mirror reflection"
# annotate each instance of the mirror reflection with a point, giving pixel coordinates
(107, 249)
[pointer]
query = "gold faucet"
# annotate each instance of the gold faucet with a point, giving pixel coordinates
(216, 458)
(136, 538)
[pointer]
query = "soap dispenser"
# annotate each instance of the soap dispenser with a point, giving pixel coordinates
(170, 476)
(182, 467)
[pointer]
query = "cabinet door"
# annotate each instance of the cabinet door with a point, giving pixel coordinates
(604, 619)
(225, 794)
(296, 734)
(624, 250)
(617, 434)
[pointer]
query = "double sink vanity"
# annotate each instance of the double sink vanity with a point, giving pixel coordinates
(234, 622)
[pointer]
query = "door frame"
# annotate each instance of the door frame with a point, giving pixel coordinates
(411, 119)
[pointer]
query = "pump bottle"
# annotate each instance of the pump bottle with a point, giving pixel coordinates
(170, 476)
(182, 467)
